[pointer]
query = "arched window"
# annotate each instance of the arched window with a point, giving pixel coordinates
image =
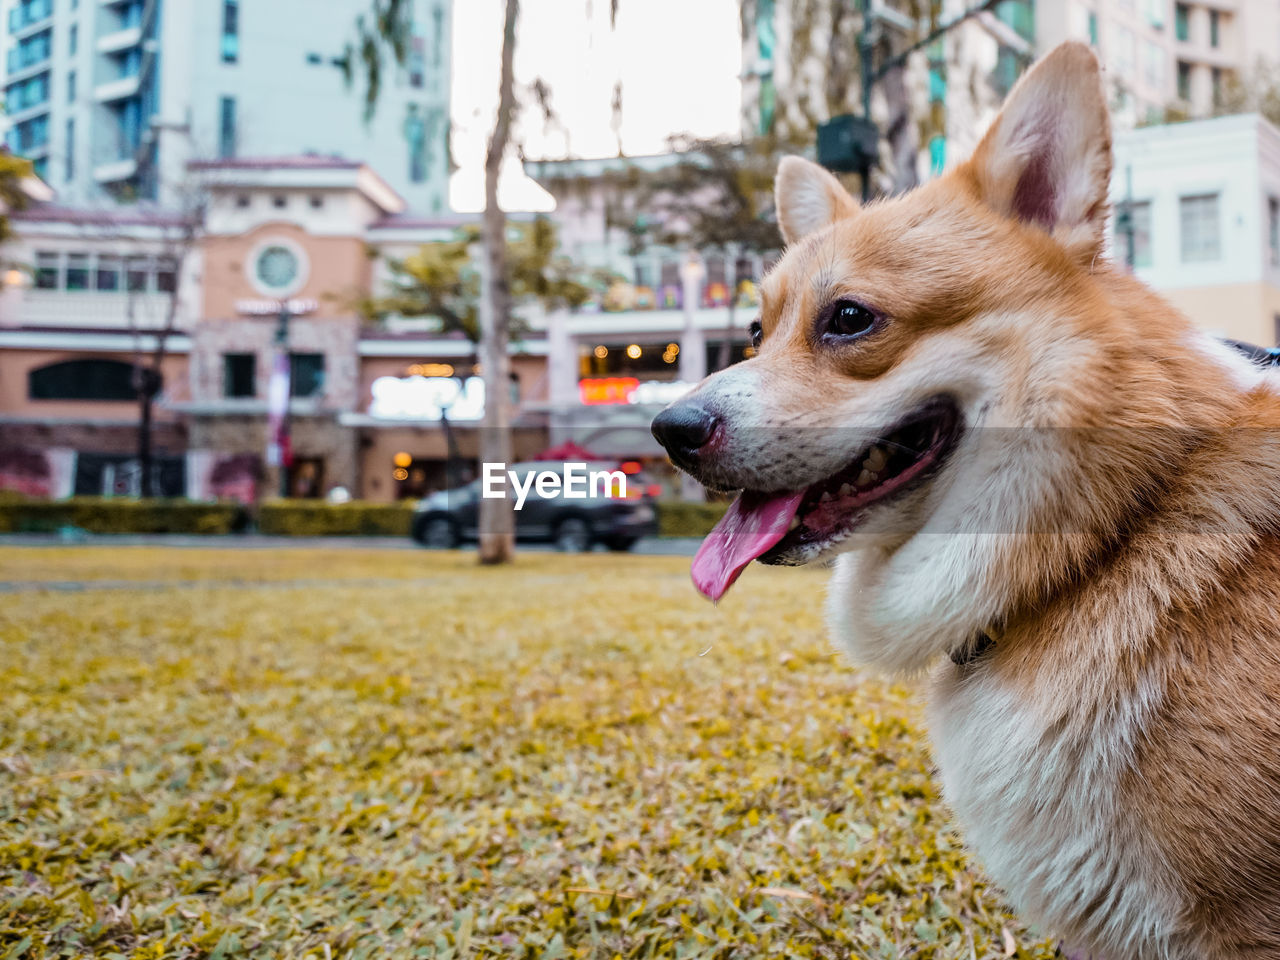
(82, 380)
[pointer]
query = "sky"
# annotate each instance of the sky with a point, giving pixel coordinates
(679, 62)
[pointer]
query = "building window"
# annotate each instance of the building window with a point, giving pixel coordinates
(47, 270)
(279, 201)
(107, 276)
(77, 272)
(1184, 80)
(227, 127)
(1093, 29)
(239, 375)
(1182, 22)
(230, 31)
(166, 275)
(71, 86)
(1155, 13)
(306, 374)
(137, 273)
(1153, 65)
(1215, 27)
(82, 380)
(73, 39)
(1200, 234)
(242, 201)
(1273, 229)
(71, 150)
(314, 59)
(317, 201)
(1215, 80)
(1140, 223)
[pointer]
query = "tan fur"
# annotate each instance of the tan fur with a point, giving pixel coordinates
(1116, 758)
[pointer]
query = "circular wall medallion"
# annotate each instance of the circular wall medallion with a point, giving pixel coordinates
(277, 267)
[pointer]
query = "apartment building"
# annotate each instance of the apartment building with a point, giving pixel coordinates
(112, 98)
(1202, 203)
(1162, 54)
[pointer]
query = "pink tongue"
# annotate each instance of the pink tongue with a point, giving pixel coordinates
(753, 523)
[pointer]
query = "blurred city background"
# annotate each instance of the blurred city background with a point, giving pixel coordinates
(230, 200)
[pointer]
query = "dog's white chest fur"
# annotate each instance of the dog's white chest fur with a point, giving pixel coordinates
(1039, 803)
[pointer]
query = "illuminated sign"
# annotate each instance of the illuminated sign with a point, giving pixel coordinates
(599, 391)
(263, 308)
(427, 398)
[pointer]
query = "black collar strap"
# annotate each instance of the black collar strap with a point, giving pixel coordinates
(973, 651)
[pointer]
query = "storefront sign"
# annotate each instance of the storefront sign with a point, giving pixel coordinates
(427, 398)
(599, 391)
(299, 306)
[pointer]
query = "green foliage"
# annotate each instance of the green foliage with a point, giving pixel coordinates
(441, 279)
(717, 195)
(120, 515)
(316, 518)
(382, 39)
(13, 170)
(311, 754)
(676, 518)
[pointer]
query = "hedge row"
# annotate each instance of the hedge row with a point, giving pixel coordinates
(687, 519)
(288, 518)
(112, 515)
(316, 518)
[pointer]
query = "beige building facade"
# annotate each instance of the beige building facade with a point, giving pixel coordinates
(93, 292)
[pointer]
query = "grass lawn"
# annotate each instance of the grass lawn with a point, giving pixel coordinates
(216, 753)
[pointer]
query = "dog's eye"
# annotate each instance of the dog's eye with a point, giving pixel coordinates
(848, 318)
(756, 332)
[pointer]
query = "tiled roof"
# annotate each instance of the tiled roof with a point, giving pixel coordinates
(137, 215)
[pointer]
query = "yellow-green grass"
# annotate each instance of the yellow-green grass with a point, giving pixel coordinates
(331, 754)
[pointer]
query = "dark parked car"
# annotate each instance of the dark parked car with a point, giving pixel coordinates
(449, 517)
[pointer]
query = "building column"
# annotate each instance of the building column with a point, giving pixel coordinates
(562, 375)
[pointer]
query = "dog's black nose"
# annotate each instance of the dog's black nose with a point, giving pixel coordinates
(683, 428)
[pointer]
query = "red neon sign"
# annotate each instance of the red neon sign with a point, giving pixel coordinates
(604, 390)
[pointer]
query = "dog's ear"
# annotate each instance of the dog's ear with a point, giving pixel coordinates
(1047, 158)
(808, 198)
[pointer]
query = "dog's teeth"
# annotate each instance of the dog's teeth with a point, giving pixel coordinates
(845, 490)
(866, 478)
(795, 522)
(826, 497)
(876, 459)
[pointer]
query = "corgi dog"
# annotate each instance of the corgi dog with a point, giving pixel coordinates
(1044, 490)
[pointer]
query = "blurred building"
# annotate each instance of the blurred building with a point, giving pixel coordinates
(1201, 201)
(1162, 54)
(111, 98)
(667, 318)
(797, 74)
(369, 402)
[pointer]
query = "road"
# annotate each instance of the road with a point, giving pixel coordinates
(649, 546)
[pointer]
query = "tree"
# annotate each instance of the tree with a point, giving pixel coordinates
(441, 280)
(148, 378)
(15, 172)
(825, 49)
(497, 515)
(717, 196)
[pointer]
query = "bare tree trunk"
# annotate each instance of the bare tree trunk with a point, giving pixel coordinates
(497, 517)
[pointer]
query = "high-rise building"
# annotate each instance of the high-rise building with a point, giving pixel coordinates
(1163, 54)
(801, 67)
(112, 98)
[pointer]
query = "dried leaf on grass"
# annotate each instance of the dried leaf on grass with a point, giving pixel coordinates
(306, 754)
